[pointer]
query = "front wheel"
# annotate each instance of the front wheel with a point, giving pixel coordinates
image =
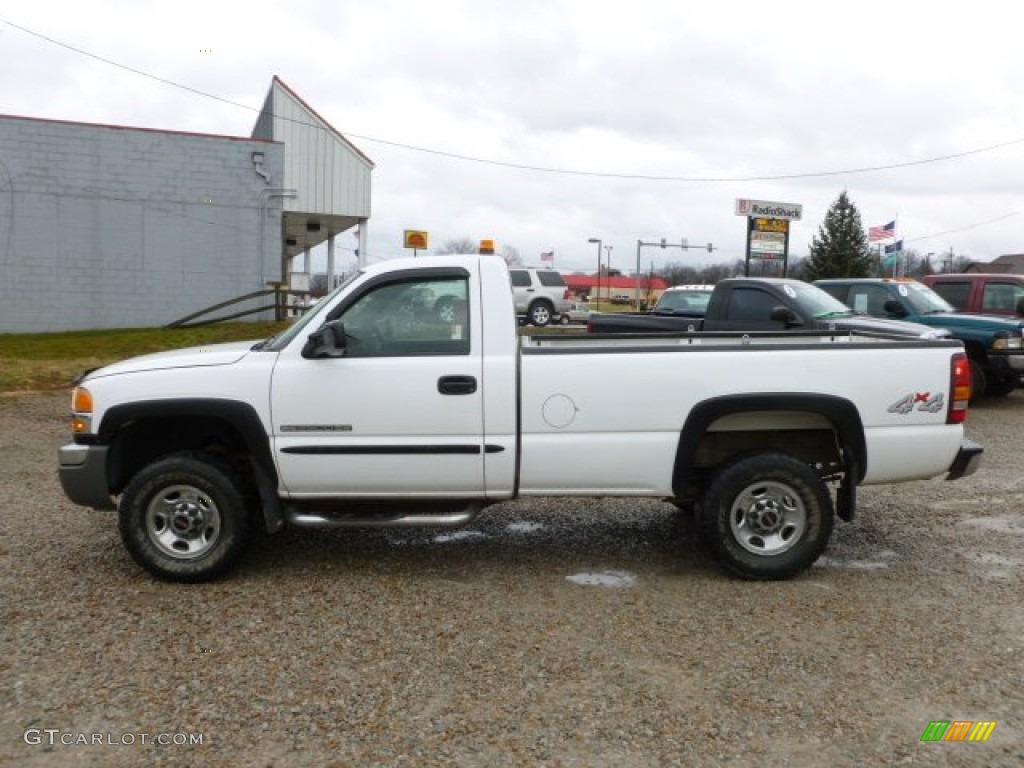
(1001, 387)
(767, 516)
(183, 518)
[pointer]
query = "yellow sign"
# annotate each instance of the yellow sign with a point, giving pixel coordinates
(418, 239)
(770, 225)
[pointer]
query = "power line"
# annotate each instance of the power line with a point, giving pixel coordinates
(1009, 215)
(538, 168)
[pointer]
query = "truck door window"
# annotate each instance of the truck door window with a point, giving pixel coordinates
(751, 306)
(1000, 297)
(869, 299)
(410, 318)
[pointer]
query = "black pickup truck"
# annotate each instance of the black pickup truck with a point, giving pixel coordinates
(759, 304)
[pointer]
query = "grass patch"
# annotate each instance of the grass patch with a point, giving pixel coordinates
(34, 361)
(46, 361)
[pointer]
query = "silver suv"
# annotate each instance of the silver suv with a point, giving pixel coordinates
(540, 294)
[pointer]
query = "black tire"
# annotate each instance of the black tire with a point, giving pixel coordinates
(1001, 387)
(541, 313)
(183, 518)
(685, 507)
(979, 381)
(794, 520)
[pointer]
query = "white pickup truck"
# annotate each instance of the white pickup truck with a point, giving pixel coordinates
(407, 398)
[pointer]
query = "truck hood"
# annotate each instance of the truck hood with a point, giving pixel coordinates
(881, 325)
(964, 321)
(211, 354)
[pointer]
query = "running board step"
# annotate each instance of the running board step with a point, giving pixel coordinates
(309, 518)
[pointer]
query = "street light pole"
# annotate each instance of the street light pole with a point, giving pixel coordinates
(598, 241)
(608, 265)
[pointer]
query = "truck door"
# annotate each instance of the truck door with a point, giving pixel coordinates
(750, 309)
(400, 413)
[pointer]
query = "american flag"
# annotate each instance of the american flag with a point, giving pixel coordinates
(882, 233)
(548, 256)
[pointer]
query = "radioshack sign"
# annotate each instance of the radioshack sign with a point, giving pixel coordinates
(770, 210)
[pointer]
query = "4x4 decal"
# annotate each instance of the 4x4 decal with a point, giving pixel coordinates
(924, 401)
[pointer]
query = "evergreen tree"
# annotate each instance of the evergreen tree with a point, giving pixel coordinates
(840, 249)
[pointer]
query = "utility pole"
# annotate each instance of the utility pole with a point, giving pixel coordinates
(682, 244)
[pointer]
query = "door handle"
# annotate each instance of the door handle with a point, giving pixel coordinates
(456, 385)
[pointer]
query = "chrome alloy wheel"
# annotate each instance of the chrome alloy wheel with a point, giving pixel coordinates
(768, 518)
(183, 522)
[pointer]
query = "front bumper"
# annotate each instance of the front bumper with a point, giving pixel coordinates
(83, 475)
(967, 460)
(1008, 362)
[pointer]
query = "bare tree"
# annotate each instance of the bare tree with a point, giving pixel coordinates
(511, 256)
(458, 245)
(675, 273)
(796, 268)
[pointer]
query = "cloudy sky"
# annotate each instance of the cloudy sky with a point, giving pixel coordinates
(543, 123)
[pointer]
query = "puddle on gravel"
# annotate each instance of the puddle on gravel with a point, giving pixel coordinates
(999, 524)
(996, 561)
(445, 538)
(883, 560)
(524, 527)
(603, 578)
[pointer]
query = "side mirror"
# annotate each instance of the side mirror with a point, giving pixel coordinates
(1020, 307)
(785, 315)
(894, 308)
(325, 342)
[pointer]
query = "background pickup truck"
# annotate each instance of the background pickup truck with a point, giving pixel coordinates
(756, 304)
(385, 406)
(993, 344)
(991, 294)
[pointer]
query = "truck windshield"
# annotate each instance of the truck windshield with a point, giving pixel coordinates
(813, 301)
(695, 300)
(923, 299)
(282, 339)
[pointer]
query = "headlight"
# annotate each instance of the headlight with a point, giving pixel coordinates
(1006, 341)
(81, 411)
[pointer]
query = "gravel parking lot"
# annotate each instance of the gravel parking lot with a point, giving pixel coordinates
(555, 633)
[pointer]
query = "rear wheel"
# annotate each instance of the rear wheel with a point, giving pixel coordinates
(979, 381)
(540, 313)
(183, 518)
(767, 516)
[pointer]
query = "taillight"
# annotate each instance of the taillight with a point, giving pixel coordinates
(959, 388)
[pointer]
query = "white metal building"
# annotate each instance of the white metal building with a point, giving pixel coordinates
(105, 226)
